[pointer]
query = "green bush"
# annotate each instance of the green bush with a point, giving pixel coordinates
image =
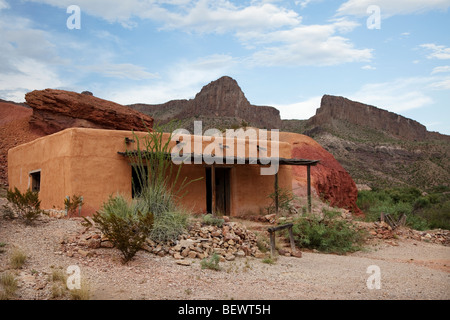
(209, 219)
(169, 226)
(159, 185)
(27, 204)
(124, 225)
(328, 234)
(423, 211)
(211, 263)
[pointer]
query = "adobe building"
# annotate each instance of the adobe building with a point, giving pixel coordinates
(93, 163)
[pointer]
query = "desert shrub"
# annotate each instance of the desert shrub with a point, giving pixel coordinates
(2, 245)
(160, 188)
(27, 204)
(8, 285)
(423, 211)
(262, 242)
(72, 204)
(84, 293)
(125, 225)
(17, 259)
(169, 226)
(286, 200)
(211, 263)
(268, 260)
(212, 220)
(328, 234)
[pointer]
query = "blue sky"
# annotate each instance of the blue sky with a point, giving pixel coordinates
(394, 54)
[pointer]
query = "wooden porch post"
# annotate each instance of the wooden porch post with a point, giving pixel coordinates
(213, 189)
(309, 188)
(276, 192)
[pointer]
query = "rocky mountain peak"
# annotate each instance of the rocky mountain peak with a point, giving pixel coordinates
(220, 99)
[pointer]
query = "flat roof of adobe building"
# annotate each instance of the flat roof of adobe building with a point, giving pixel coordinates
(284, 156)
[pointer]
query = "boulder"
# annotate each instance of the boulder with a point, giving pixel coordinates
(56, 110)
(330, 181)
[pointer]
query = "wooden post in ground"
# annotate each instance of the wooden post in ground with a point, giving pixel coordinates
(276, 193)
(213, 190)
(309, 188)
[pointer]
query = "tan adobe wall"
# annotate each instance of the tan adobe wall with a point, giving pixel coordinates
(85, 162)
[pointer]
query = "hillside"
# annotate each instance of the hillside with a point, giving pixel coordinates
(378, 148)
(14, 130)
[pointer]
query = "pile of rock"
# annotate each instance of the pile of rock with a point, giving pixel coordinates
(268, 218)
(438, 236)
(230, 241)
(383, 231)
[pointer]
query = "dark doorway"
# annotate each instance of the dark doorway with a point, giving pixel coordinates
(139, 177)
(35, 181)
(222, 190)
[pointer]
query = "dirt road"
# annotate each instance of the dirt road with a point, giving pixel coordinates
(411, 270)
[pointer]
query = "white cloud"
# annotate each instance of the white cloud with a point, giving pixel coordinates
(222, 16)
(31, 59)
(437, 51)
(397, 96)
(368, 67)
(28, 58)
(304, 3)
(300, 110)
(392, 7)
(3, 4)
(182, 81)
(319, 45)
(199, 16)
(441, 69)
(122, 71)
(31, 75)
(442, 84)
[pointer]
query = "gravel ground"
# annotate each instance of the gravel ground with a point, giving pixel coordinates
(410, 270)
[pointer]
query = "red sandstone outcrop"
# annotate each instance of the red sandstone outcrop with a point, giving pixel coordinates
(330, 180)
(56, 110)
(14, 130)
(220, 98)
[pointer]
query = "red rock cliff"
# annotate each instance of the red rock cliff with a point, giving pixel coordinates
(330, 180)
(56, 110)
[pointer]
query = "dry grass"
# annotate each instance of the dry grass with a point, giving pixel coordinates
(9, 286)
(81, 294)
(17, 259)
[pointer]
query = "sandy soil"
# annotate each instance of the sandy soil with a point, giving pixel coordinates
(410, 270)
